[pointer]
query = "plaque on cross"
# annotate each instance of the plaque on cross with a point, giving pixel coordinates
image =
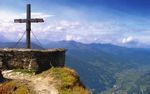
(28, 22)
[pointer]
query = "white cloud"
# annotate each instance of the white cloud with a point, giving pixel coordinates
(127, 39)
(103, 32)
(39, 15)
(73, 37)
(14, 30)
(63, 26)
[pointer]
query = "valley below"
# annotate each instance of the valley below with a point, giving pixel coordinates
(109, 69)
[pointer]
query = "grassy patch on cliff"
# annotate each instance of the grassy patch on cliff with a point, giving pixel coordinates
(67, 81)
(25, 71)
(14, 87)
(63, 80)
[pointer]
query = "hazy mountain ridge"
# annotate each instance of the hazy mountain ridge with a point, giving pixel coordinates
(18, 45)
(3, 38)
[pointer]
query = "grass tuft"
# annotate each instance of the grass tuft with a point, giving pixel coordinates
(25, 71)
(13, 87)
(69, 81)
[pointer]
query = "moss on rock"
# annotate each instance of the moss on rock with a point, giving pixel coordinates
(67, 81)
(14, 87)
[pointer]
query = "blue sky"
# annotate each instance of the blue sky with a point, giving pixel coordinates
(121, 22)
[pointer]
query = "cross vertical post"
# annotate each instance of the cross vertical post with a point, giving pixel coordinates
(28, 27)
(28, 22)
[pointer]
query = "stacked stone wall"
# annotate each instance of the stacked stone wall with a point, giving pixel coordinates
(38, 60)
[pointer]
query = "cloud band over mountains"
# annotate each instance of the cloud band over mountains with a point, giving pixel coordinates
(98, 24)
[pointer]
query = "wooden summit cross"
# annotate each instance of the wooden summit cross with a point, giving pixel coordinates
(28, 22)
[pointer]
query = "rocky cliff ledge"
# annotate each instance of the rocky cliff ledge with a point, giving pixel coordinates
(37, 60)
(52, 81)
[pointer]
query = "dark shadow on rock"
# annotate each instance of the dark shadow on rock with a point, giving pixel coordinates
(2, 79)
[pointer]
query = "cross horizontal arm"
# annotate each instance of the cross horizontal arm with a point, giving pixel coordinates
(36, 20)
(20, 21)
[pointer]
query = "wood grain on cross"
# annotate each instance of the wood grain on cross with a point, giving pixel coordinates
(28, 22)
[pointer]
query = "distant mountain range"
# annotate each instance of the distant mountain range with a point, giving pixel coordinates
(3, 38)
(18, 45)
(106, 68)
